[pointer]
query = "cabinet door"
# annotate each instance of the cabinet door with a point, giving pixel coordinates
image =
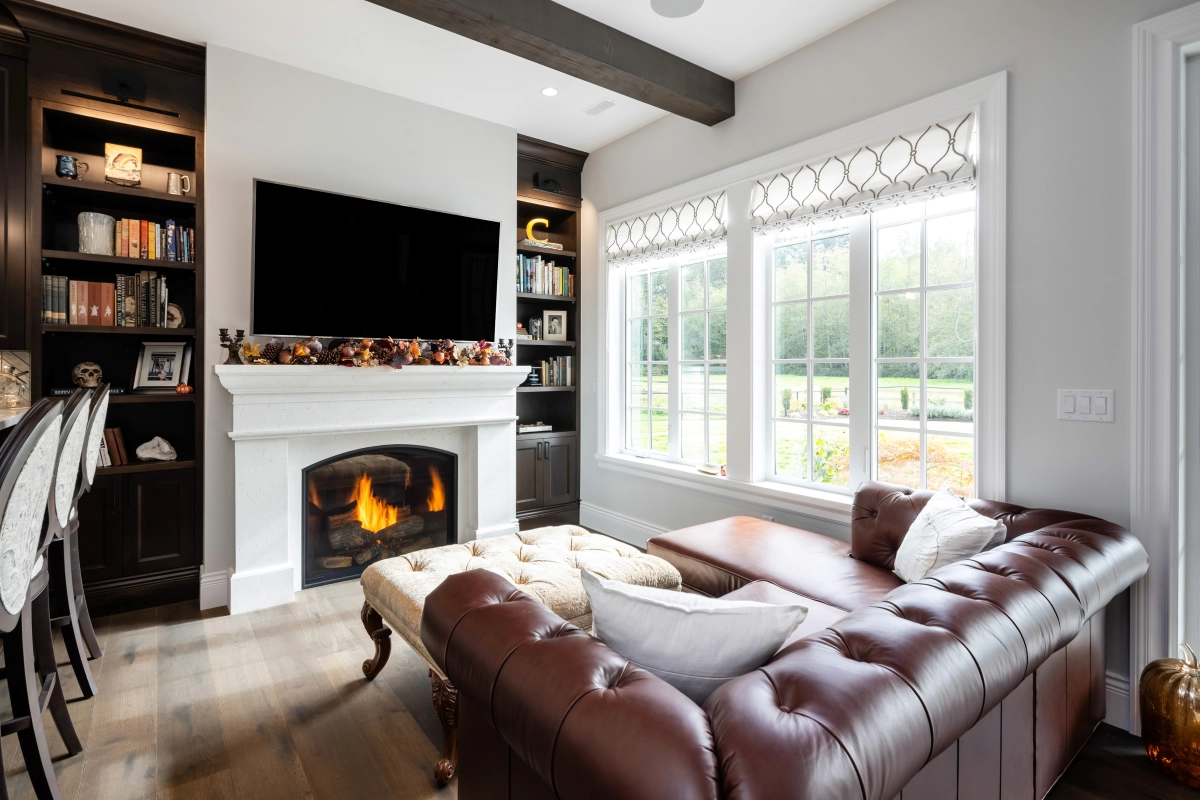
(530, 483)
(160, 521)
(561, 479)
(100, 512)
(13, 303)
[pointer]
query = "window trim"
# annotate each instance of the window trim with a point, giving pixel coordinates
(988, 98)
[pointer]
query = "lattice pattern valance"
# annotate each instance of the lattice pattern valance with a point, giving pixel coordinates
(925, 163)
(688, 226)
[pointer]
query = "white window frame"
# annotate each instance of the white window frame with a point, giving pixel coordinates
(747, 421)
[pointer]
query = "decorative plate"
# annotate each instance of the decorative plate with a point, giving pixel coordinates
(175, 317)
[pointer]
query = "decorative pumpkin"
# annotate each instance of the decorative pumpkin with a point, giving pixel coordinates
(183, 388)
(1170, 702)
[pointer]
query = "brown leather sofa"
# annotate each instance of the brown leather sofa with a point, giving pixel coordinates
(981, 681)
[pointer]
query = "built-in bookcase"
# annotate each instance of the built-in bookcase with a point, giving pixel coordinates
(141, 526)
(548, 462)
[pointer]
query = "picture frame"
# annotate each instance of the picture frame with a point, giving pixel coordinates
(554, 326)
(161, 366)
(122, 164)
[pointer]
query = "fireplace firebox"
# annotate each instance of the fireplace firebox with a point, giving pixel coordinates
(369, 505)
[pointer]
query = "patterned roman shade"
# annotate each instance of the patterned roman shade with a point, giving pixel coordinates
(694, 225)
(924, 163)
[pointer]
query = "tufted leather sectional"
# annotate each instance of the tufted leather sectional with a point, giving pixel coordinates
(981, 681)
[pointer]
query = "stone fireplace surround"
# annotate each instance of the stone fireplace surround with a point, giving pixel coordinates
(288, 418)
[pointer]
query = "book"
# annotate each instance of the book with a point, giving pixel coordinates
(105, 459)
(143, 299)
(72, 316)
(108, 300)
(119, 299)
(172, 247)
(121, 445)
(143, 239)
(191, 245)
(81, 303)
(541, 244)
(535, 427)
(93, 302)
(131, 301)
(153, 300)
(152, 242)
(135, 246)
(110, 445)
(62, 300)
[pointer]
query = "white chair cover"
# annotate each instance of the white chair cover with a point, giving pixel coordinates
(95, 436)
(67, 475)
(21, 528)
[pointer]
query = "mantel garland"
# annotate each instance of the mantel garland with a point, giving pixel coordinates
(387, 352)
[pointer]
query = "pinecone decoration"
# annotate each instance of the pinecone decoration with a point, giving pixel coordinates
(383, 350)
(330, 355)
(271, 352)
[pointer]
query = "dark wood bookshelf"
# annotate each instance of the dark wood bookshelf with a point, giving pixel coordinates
(112, 188)
(145, 466)
(48, 328)
(122, 399)
(548, 462)
(545, 297)
(527, 249)
(120, 261)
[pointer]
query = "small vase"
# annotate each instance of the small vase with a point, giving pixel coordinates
(1170, 704)
(96, 233)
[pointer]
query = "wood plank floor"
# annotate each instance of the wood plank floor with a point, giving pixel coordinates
(272, 705)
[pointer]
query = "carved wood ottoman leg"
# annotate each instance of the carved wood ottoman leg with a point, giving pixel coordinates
(381, 634)
(445, 702)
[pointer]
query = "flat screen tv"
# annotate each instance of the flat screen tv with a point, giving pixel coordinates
(330, 265)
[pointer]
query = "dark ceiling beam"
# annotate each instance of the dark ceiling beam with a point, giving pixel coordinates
(555, 36)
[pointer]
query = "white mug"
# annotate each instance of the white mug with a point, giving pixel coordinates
(174, 180)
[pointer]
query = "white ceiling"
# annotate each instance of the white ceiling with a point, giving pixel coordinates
(360, 42)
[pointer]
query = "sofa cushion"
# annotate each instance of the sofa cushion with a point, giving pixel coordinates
(717, 557)
(692, 642)
(945, 531)
(820, 615)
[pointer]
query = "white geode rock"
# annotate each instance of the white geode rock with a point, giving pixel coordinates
(157, 449)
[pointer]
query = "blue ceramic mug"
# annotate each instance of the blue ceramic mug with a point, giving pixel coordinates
(70, 167)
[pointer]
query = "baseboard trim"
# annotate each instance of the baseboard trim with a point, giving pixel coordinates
(142, 591)
(617, 525)
(1117, 701)
(214, 589)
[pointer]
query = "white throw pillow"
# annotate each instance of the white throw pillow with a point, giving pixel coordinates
(946, 530)
(693, 642)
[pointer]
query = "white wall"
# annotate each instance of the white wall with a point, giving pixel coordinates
(1069, 274)
(267, 120)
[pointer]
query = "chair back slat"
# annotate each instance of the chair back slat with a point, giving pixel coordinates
(27, 467)
(95, 435)
(70, 458)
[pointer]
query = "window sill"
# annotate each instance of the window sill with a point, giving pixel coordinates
(830, 506)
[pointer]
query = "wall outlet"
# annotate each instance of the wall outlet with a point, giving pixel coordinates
(1086, 405)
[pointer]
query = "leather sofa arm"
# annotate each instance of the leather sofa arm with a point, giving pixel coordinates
(587, 721)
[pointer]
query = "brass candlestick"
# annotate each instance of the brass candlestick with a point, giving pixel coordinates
(233, 344)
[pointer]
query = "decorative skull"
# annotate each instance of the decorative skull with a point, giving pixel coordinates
(87, 374)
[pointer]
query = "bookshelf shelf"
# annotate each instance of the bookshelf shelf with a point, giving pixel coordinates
(49, 181)
(545, 251)
(538, 389)
(47, 328)
(549, 298)
(120, 261)
(122, 399)
(543, 343)
(147, 466)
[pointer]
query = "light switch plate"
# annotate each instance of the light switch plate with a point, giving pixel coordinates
(1086, 405)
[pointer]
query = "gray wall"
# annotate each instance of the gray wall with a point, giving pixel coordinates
(268, 120)
(1069, 177)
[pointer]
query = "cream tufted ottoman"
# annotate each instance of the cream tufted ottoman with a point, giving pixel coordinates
(544, 563)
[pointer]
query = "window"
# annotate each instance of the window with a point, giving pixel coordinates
(702, 361)
(810, 305)
(925, 344)
(648, 378)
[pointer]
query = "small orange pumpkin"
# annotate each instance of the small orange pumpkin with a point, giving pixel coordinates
(1170, 703)
(183, 388)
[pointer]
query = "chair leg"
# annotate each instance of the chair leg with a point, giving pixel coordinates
(445, 702)
(23, 692)
(78, 599)
(71, 628)
(47, 663)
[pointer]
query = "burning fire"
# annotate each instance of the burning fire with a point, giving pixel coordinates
(373, 514)
(437, 492)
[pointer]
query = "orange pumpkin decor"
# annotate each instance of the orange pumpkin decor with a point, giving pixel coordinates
(183, 388)
(1170, 701)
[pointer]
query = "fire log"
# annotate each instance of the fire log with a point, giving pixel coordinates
(368, 554)
(406, 528)
(336, 562)
(349, 535)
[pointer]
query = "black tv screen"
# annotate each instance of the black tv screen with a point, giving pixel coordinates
(330, 265)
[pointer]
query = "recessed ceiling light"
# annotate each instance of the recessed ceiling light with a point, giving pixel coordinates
(676, 8)
(550, 91)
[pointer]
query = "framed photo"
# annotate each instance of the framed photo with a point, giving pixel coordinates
(123, 164)
(554, 326)
(162, 366)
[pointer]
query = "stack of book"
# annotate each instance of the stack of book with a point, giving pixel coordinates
(558, 371)
(535, 276)
(133, 301)
(522, 333)
(139, 238)
(112, 449)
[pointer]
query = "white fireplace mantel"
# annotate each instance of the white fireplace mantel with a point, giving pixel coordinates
(286, 418)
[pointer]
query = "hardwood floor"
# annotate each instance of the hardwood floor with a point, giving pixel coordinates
(266, 705)
(205, 706)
